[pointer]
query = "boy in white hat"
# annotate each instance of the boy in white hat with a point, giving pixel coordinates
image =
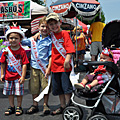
(100, 75)
(14, 64)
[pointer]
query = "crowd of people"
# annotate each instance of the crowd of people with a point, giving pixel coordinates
(51, 52)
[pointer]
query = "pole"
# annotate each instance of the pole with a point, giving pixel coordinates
(76, 44)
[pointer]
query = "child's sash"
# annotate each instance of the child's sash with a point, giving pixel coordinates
(15, 63)
(62, 51)
(39, 62)
(42, 68)
(58, 46)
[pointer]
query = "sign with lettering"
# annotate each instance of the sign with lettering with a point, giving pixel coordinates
(86, 7)
(71, 8)
(15, 10)
(60, 8)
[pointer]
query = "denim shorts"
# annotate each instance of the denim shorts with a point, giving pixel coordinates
(13, 88)
(61, 83)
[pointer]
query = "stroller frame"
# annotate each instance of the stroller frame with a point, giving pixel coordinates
(74, 111)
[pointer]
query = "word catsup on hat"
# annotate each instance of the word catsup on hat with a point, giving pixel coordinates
(53, 16)
(14, 30)
(107, 52)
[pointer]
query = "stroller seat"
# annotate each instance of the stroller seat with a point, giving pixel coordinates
(96, 90)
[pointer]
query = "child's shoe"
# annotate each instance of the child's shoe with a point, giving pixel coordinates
(80, 86)
(87, 88)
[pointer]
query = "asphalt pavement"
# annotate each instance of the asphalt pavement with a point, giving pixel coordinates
(27, 102)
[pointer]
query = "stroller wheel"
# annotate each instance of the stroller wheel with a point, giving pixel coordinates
(98, 117)
(72, 113)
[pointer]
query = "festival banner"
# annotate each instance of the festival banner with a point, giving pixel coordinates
(15, 10)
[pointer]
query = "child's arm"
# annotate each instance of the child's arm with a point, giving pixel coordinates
(2, 71)
(36, 36)
(48, 68)
(22, 79)
(67, 60)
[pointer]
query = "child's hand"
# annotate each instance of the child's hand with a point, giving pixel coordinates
(66, 65)
(21, 80)
(47, 73)
(2, 78)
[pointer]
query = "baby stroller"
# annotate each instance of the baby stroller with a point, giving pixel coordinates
(103, 100)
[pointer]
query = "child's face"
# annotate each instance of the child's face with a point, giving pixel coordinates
(54, 25)
(44, 29)
(14, 39)
(105, 58)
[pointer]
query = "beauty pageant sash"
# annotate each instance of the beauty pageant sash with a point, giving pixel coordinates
(42, 68)
(15, 63)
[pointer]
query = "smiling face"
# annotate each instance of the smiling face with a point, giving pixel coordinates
(44, 30)
(14, 39)
(54, 25)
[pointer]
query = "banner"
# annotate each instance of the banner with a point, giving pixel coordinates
(15, 10)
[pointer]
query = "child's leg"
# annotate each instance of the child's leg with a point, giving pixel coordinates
(11, 100)
(46, 97)
(67, 97)
(92, 84)
(82, 84)
(19, 110)
(85, 80)
(19, 101)
(46, 109)
(62, 100)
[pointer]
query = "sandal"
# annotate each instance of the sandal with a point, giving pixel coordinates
(46, 109)
(57, 111)
(32, 109)
(18, 111)
(10, 110)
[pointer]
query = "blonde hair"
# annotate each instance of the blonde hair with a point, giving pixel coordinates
(80, 28)
(43, 20)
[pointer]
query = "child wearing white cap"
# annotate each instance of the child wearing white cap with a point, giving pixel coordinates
(99, 76)
(14, 64)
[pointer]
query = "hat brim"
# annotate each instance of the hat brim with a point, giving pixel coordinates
(15, 31)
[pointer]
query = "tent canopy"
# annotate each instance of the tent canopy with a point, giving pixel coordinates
(37, 9)
(70, 8)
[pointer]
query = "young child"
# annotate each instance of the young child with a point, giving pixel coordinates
(100, 75)
(81, 42)
(37, 78)
(60, 63)
(13, 70)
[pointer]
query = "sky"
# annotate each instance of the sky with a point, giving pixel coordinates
(110, 8)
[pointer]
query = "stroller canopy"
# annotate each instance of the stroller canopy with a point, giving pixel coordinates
(111, 34)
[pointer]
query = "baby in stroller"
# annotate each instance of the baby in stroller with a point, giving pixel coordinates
(100, 75)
